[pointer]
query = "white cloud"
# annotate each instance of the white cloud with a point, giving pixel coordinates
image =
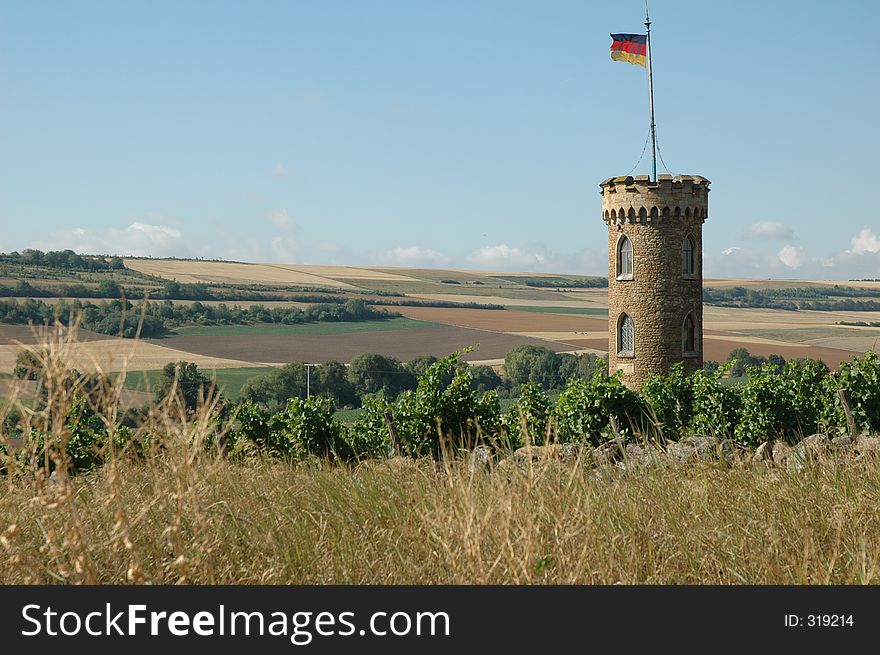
(139, 239)
(286, 249)
(792, 256)
(739, 262)
(865, 242)
(282, 219)
(412, 256)
(769, 230)
(280, 170)
(861, 261)
(503, 257)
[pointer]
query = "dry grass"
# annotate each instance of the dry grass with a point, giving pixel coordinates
(189, 271)
(117, 354)
(195, 519)
(188, 515)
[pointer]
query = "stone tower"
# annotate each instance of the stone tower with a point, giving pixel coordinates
(655, 273)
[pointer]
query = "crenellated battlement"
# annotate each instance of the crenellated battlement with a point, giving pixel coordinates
(628, 199)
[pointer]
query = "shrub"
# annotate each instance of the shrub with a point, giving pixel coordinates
(670, 398)
(860, 378)
(528, 420)
(585, 407)
(715, 405)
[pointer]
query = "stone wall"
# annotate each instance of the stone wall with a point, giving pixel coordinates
(656, 217)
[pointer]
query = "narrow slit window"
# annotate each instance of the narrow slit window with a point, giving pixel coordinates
(687, 256)
(626, 338)
(690, 335)
(624, 257)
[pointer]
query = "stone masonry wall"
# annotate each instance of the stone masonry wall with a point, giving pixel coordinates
(656, 217)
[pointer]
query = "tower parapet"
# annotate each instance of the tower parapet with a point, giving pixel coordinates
(655, 279)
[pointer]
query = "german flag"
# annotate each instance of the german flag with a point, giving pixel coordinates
(629, 47)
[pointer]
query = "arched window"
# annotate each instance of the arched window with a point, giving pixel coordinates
(626, 336)
(687, 256)
(689, 336)
(624, 257)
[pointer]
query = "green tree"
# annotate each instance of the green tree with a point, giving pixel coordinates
(777, 362)
(332, 381)
(533, 364)
(186, 381)
(740, 358)
(484, 378)
(580, 366)
(109, 289)
(373, 373)
(276, 388)
(420, 364)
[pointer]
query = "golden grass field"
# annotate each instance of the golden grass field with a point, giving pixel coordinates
(105, 355)
(194, 518)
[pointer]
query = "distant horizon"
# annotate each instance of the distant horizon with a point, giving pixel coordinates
(487, 272)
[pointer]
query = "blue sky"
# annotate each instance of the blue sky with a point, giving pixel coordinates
(457, 133)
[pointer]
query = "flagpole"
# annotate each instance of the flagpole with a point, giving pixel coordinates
(651, 98)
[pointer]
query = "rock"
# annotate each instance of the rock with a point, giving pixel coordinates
(681, 453)
(701, 442)
(867, 446)
(571, 452)
(844, 443)
(763, 454)
(727, 451)
(699, 448)
(781, 452)
(537, 453)
(640, 456)
(810, 448)
(607, 453)
(479, 459)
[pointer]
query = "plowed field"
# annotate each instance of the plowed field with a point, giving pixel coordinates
(403, 344)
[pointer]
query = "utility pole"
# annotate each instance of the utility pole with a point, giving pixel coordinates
(309, 379)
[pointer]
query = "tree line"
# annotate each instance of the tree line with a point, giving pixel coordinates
(157, 319)
(794, 299)
(371, 374)
(66, 260)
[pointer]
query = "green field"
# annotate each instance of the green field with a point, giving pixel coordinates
(228, 380)
(306, 329)
(581, 311)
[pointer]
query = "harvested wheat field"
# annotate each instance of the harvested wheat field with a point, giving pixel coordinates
(737, 318)
(111, 354)
(349, 272)
(727, 283)
(28, 335)
(191, 272)
(403, 344)
(27, 390)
